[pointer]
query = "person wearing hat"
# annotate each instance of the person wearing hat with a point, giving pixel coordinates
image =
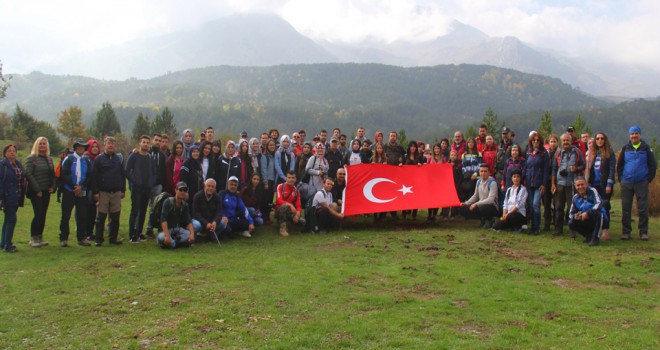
(235, 217)
(635, 168)
(175, 220)
(76, 176)
(577, 142)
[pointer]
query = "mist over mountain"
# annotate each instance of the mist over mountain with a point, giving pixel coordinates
(267, 40)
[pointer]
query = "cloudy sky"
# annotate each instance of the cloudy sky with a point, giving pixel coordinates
(35, 32)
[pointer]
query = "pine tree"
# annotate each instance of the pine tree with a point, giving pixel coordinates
(545, 128)
(142, 127)
(492, 124)
(24, 123)
(70, 124)
(579, 125)
(164, 123)
(106, 122)
(402, 139)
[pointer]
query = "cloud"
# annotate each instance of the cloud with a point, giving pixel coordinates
(618, 30)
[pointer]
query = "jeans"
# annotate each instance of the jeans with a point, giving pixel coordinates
(139, 203)
(178, 238)
(606, 204)
(641, 191)
(535, 201)
(69, 200)
(258, 220)
(40, 208)
(8, 227)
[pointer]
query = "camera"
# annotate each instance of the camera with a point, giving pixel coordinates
(563, 172)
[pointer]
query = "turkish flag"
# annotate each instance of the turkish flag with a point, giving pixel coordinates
(374, 188)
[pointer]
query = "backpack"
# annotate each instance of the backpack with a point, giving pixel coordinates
(158, 208)
(305, 177)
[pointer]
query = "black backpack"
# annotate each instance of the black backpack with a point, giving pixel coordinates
(158, 208)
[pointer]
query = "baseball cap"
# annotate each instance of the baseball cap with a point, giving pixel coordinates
(181, 185)
(232, 178)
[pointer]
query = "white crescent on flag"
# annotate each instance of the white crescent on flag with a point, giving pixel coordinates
(368, 190)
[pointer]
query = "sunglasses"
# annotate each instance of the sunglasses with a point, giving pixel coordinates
(600, 138)
(183, 189)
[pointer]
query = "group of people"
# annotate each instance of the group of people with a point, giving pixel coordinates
(218, 190)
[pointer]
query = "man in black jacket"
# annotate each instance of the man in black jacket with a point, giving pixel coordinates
(160, 161)
(141, 171)
(206, 210)
(109, 186)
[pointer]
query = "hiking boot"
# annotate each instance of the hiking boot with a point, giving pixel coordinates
(135, 240)
(98, 244)
(625, 236)
(84, 243)
(117, 242)
(143, 238)
(594, 241)
(42, 242)
(246, 234)
(150, 234)
(64, 243)
(644, 236)
(35, 242)
(283, 231)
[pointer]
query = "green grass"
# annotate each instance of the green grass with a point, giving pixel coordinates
(390, 286)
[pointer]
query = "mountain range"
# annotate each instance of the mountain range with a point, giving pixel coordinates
(267, 40)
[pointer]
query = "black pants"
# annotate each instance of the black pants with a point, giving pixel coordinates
(513, 220)
(548, 213)
(267, 201)
(482, 211)
(325, 220)
(69, 201)
(563, 198)
(100, 226)
(40, 208)
(139, 204)
(235, 226)
(91, 218)
(588, 228)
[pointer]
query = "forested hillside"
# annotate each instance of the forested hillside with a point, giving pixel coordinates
(423, 100)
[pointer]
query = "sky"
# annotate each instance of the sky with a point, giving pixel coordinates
(35, 32)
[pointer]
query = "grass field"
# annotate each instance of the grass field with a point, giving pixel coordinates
(397, 285)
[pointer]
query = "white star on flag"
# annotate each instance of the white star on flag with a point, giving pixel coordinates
(405, 190)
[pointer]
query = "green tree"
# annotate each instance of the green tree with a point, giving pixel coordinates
(579, 125)
(106, 122)
(70, 124)
(471, 132)
(24, 123)
(164, 123)
(545, 128)
(402, 138)
(5, 126)
(142, 127)
(492, 124)
(4, 83)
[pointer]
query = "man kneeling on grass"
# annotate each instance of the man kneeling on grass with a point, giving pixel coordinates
(287, 203)
(326, 211)
(235, 217)
(483, 203)
(175, 220)
(587, 214)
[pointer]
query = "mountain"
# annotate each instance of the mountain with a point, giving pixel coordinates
(466, 44)
(238, 40)
(426, 101)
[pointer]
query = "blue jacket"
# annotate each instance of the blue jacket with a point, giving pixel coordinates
(607, 169)
(232, 206)
(536, 169)
(590, 204)
(636, 165)
(68, 172)
(9, 190)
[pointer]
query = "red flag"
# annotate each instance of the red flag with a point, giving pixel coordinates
(374, 188)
